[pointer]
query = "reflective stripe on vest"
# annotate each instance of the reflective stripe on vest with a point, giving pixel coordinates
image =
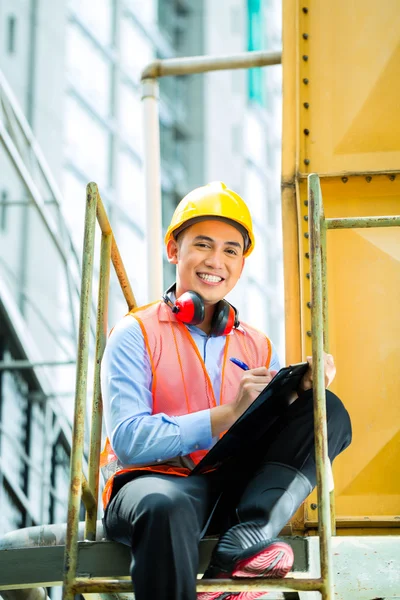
(175, 364)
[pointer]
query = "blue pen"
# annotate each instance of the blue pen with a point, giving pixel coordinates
(239, 363)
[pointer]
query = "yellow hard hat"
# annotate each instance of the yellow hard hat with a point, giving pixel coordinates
(212, 200)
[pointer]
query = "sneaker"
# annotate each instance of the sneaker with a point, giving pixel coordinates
(243, 551)
(229, 595)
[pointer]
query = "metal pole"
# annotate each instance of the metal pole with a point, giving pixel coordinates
(15, 365)
(203, 64)
(153, 189)
(363, 222)
(321, 444)
(164, 68)
(324, 280)
(74, 499)
(97, 408)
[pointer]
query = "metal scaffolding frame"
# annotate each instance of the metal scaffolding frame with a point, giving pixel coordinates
(80, 488)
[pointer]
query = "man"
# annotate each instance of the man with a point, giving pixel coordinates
(170, 391)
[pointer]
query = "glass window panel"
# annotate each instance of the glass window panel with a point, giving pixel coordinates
(36, 452)
(89, 71)
(255, 138)
(131, 117)
(133, 252)
(256, 264)
(11, 516)
(14, 423)
(136, 49)
(87, 143)
(131, 196)
(255, 42)
(146, 11)
(97, 16)
(74, 209)
(61, 483)
(256, 195)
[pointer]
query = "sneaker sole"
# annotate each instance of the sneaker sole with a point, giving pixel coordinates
(275, 561)
(229, 595)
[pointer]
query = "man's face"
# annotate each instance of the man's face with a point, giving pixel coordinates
(209, 259)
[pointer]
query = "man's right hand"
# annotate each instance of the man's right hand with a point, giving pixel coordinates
(251, 385)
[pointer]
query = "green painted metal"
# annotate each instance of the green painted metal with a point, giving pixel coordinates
(321, 445)
(363, 222)
(74, 498)
(97, 406)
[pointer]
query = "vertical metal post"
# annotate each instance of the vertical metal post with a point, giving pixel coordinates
(324, 276)
(153, 189)
(74, 499)
(97, 407)
(321, 444)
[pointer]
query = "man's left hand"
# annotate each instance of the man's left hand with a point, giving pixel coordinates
(329, 370)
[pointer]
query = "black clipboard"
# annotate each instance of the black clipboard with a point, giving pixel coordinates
(255, 421)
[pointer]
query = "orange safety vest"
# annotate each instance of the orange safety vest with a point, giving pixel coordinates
(181, 384)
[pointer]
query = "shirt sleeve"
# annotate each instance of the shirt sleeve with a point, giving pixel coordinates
(137, 436)
(274, 363)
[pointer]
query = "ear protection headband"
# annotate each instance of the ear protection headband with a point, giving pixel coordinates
(189, 308)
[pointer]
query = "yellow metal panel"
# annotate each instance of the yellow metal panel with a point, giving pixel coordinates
(349, 73)
(364, 333)
(341, 101)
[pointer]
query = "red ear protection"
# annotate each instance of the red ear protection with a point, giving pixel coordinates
(189, 309)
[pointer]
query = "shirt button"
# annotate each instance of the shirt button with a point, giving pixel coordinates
(197, 446)
(159, 460)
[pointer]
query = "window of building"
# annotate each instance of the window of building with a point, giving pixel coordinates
(131, 117)
(11, 34)
(89, 70)
(255, 42)
(131, 194)
(88, 142)
(136, 48)
(3, 210)
(98, 17)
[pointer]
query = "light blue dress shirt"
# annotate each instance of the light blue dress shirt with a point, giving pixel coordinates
(137, 436)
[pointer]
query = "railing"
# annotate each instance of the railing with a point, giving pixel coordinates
(80, 488)
(35, 174)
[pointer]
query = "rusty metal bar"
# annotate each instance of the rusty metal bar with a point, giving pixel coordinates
(84, 585)
(362, 222)
(88, 497)
(74, 499)
(203, 64)
(97, 406)
(321, 444)
(115, 256)
(324, 279)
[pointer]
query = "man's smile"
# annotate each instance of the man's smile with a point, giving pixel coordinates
(209, 278)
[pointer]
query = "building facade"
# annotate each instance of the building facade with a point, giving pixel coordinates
(71, 114)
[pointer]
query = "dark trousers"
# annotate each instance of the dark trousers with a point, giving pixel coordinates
(162, 517)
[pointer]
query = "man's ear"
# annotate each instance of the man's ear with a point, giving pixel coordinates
(172, 251)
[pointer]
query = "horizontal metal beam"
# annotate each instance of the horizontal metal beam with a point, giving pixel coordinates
(86, 585)
(202, 64)
(16, 365)
(43, 565)
(362, 222)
